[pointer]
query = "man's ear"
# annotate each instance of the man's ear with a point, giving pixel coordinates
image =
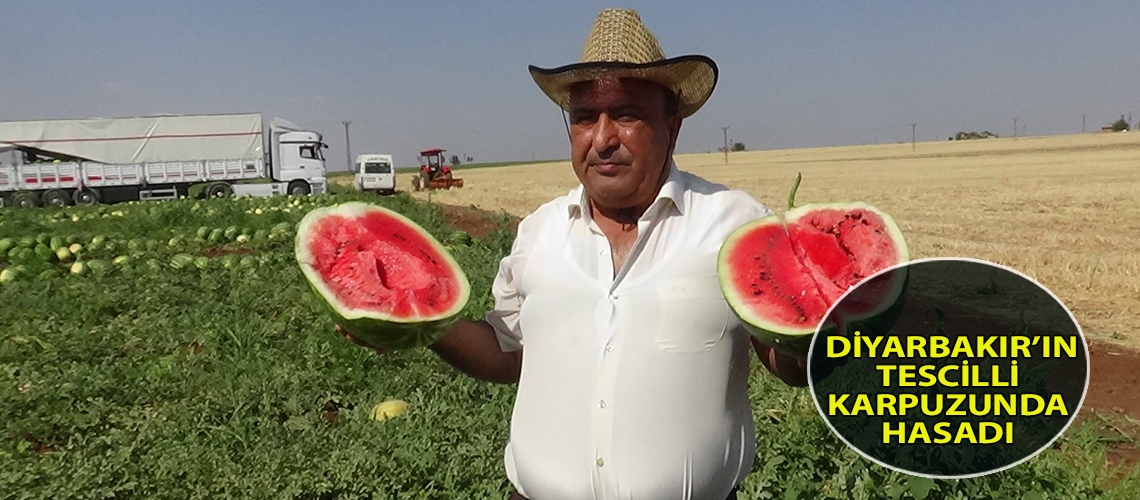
(674, 132)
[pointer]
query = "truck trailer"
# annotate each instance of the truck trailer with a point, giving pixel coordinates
(110, 160)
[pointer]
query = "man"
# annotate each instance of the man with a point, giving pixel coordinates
(634, 380)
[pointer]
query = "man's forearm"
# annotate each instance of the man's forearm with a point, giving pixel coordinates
(472, 348)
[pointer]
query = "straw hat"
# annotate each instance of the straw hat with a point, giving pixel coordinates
(619, 45)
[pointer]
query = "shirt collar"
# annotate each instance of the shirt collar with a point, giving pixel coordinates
(673, 191)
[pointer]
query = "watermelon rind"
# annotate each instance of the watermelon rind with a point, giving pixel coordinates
(9, 275)
(797, 341)
(372, 327)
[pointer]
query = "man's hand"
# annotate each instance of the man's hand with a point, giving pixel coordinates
(339, 329)
(471, 347)
(792, 370)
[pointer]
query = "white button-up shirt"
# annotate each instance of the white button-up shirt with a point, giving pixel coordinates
(634, 385)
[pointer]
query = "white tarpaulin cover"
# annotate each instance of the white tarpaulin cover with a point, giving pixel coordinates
(141, 139)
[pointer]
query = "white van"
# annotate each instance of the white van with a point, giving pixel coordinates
(374, 172)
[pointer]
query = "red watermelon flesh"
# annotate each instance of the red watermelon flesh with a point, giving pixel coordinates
(374, 263)
(381, 273)
(782, 275)
(843, 245)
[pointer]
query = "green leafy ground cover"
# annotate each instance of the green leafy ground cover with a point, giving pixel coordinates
(200, 366)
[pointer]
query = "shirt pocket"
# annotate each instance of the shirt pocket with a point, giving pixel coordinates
(694, 314)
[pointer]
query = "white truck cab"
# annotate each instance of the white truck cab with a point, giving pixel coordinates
(296, 165)
(300, 158)
(375, 172)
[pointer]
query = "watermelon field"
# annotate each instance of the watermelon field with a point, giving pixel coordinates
(174, 350)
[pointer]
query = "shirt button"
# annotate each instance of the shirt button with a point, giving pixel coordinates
(601, 462)
(613, 296)
(610, 348)
(602, 404)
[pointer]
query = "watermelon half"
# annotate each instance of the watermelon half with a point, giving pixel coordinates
(781, 275)
(384, 278)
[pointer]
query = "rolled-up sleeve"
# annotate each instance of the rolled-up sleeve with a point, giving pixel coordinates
(508, 300)
(504, 314)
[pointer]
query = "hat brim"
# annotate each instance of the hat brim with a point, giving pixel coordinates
(693, 77)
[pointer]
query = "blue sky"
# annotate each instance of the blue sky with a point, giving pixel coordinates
(411, 75)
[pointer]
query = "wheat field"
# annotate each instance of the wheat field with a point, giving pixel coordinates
(1064, 210)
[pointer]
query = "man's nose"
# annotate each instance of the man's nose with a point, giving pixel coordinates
(605, 134)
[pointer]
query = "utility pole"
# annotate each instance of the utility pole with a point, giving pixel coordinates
(1015, 129)
(347, 147)
(1082, 124)
(912, 135)
(725, 130)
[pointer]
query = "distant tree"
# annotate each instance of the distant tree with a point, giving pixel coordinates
(1120, 125)
(469, 159)
(738, 146)
(962, 135)
(455, 160)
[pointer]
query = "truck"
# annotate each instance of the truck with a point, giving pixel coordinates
(375, 173)
(111, 160)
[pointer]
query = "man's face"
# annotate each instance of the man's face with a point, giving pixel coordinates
(620, 139)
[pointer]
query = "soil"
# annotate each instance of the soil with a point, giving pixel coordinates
(478, 223)
(1114, 370)
(1114, 378)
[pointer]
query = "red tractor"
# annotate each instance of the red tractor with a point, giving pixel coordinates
(434, 173)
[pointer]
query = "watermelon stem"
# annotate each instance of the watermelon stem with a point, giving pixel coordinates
(795, 187)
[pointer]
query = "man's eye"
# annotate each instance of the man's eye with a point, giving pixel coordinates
(582, 118)
(626, 116)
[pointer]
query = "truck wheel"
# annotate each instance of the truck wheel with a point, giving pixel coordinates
(219, 190)
(299, 188)
(56, 198)
(86, 197)
(25, 200)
